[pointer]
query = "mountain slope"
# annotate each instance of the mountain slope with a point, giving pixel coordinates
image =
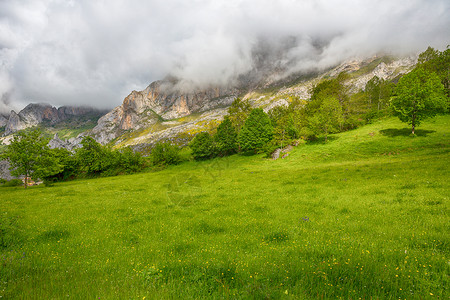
(159, 112)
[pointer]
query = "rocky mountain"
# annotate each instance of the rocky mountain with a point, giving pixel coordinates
(163, 111)
(173, 110)
(45, 114)
(161, 100)
(3, 121)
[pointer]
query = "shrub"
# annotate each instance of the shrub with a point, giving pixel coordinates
(226, 138)
(165, 154)
(13, 182)
(202, 146)
(256, 132)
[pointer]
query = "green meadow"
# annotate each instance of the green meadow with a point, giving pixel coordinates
(365, 215)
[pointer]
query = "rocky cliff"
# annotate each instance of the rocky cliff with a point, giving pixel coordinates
(39, 113)
(161, 100)
(3, 121)
(144, 117)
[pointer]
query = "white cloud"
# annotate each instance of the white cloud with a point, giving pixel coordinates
(95, 52)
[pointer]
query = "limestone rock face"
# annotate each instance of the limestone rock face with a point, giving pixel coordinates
(3, 121)
(35, 114)
(4, 170)
(70, 144)
(161, 100)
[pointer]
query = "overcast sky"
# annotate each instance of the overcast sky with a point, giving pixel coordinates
(95, 52)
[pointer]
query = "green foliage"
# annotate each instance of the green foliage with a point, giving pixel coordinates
(331, 87)
(93, 158)
(12, 182)
(128, 161)
(238, 113)
(327, 118)
(288, 122)
(29, 155)
(378, 92)
(256, 132)
(438, 62)
(202, 146)
(226, 138)
(419, 95)
(165, 153)
(69, 163)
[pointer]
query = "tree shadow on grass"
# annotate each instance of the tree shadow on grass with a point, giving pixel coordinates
(391, 132)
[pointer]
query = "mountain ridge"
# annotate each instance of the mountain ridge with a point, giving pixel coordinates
(167, 110)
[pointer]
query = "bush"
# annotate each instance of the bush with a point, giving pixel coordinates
(13, 182)
(129, 161)
(165, 154)
(256, 132)
(226, 138)
(202, 146)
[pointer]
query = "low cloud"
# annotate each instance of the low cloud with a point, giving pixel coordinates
(68, 52)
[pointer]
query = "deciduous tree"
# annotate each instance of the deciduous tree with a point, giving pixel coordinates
(327, 118)
(29, 155)
(238, 112)
(419, 95)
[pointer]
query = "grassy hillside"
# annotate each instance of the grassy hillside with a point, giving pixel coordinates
(364, 216)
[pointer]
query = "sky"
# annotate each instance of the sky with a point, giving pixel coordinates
(86, 52)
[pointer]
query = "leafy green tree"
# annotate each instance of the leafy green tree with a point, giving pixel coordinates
(419, 95)
(335, 88)
(238, 113)
(165, 153)
(226, 138)
(29, 155)
(256, 132)
(327, 118)
(332, 87)
(202, 146)
(68, 162)
(378, 92)
(93, 158)
(438, 62)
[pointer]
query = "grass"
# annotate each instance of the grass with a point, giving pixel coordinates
(364, 216)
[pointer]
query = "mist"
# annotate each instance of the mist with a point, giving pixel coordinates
(67, 52)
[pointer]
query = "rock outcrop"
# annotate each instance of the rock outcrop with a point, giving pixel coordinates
(4, 170)
(70, 144)
(161, 100)
(37, 113)
(3, 121)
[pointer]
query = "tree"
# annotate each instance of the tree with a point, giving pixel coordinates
(256, 132)
(202, 146)
(68, 162)
(29, 155)
(238, 113)
(226, 138)
(332, 88)
(93, 158)
(327, 118)
(419, 95)
(438, 62)
(378, 91)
